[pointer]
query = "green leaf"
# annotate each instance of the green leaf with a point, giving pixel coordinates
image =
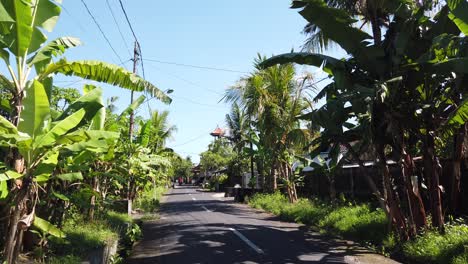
(3, 189)
(46, 166)
(6, 127)
(91, 102)
(336, 24)
(36, 110)
(6, 83)
(328, 63)
(145, 132)
(60, 196)
(21, 32)
(459, 14)
(47, 227)
(9, 175)
(74, 176)
(54, 48)
(134, 106)
(107, 73)
(47, 14)
(60, 129)
(460, 116)
(4, 16)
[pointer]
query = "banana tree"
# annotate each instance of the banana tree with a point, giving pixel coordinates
(414, 78)
(40, 140)
(24, 50)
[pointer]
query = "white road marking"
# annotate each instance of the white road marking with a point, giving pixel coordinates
(206, 209)
(189, 194)
(193, 198)
(247, 241)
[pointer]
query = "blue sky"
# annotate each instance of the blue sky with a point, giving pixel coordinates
(220, 34)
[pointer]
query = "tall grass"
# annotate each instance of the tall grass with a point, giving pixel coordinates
(356, 222)
(433, 247)
(148, 199)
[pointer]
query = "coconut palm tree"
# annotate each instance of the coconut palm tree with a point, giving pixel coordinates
(273, 99)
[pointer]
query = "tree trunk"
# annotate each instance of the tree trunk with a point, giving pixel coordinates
(375, 191)
(291, 188)
(416, 206)
(395, 211)
(13, 238)
(92, 207)
(332, 187)
(431, 172)
(458, 154)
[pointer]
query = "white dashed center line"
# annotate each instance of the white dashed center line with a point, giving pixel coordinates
(247, 241)
(206, 209)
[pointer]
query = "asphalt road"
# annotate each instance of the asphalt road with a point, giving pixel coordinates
(200, 227)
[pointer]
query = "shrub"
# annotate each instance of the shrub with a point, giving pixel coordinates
(68, 259)
(222, 178)
(358, 222)
(148, 199)
(83, 237)
(433, 247)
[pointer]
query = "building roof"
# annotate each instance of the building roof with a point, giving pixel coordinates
(218, 132)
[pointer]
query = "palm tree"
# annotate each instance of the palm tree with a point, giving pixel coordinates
(161, 131)
(273, 99)
(373, 12)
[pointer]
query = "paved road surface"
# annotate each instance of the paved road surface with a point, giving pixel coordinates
(199, 227)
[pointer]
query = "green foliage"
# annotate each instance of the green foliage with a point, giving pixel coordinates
(83, 236)
(357, 222)
(221, 179)
(68, 259)
(217, 156)
(433, 247)
(148, 199)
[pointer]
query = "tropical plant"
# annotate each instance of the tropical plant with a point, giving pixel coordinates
(23, 23)
(405, 86)
(273, 98)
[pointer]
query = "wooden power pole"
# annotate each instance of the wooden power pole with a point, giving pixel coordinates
(132, 114)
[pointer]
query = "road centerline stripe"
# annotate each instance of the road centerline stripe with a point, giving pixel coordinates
(247, 241)
(193, 198)
(206, 209)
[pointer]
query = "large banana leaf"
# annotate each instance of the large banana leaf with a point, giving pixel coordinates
(336, 24)
(133, 107)
(60, 129)
(328, 63)
(91, 102)
(145, 134)
(21, 32)
(54, 48)
(47, 227)
(107, 73)
(6, 127)
(459, 14)
(36, 110)
(46, 167)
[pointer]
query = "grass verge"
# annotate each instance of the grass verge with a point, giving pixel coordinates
(364, 224)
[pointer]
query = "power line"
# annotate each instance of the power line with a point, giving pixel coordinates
(128, 20)
(197, 103)
(186, 81)
(196, 66)
(118, 27)
(102, 32)
(134, 35)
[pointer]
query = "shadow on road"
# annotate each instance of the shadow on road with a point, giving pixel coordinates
(187, 233)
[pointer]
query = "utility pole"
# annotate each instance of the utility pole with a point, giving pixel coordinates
(132, 114)
(130, 130)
